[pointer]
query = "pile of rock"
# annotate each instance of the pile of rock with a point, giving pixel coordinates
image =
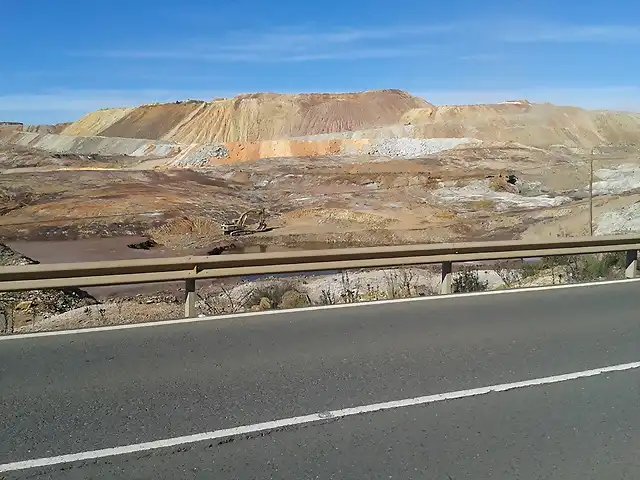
(200, 157)
(416, 147)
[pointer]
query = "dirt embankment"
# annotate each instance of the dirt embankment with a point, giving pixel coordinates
(387, 123)
(539, 125)
(251, 118)
(151, 121)
(95, 122)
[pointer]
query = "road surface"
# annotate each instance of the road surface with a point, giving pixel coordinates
(80, 393)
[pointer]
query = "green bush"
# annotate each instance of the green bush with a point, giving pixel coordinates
(467, 281)
(579, 268)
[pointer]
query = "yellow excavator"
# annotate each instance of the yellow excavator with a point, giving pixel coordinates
(242, 226)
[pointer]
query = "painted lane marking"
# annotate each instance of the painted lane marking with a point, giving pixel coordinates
(161, 323)
(305, 419)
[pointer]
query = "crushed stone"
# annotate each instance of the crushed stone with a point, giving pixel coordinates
(417, 147)
(361, 283)
(200, 157)
(623, 179)
(619, 221)
(480, 190)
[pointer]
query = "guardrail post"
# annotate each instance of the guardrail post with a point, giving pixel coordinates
(190, 300)
(632, 264)
(447, 278)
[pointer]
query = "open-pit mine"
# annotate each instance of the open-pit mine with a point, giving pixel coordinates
(319, 170)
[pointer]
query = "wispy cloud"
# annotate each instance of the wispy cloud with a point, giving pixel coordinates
(482, 57)
(304, 44)
(296, 45)
(557, 33)
(271, 57)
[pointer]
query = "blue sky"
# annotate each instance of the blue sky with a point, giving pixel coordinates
(64, 58)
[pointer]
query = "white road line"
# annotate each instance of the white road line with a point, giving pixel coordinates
(161, 323)
(305, 419)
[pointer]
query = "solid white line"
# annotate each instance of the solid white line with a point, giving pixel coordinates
(289, 311)
(305, 419)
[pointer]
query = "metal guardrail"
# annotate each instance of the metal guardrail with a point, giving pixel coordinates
(190, 269)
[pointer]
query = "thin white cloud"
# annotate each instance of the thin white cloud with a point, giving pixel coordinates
(304, 44)
(281, 57)
(286, 38)
(549, 33)
(482, 57)
(295, 45)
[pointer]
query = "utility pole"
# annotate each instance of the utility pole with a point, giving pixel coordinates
(591, 192)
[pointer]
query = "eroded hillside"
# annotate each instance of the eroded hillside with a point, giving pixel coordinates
(387, 123)
(540, 125)
(249, 118)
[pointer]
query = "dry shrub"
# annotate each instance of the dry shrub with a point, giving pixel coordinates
(446, 215)
(396, 283)
(295, 299)
(277, 294)
(500, 184)
(579, 268)
(185, 231)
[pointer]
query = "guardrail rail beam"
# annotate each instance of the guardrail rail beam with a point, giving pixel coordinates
(188, 270)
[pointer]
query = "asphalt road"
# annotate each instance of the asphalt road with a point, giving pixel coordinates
(75, 393)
